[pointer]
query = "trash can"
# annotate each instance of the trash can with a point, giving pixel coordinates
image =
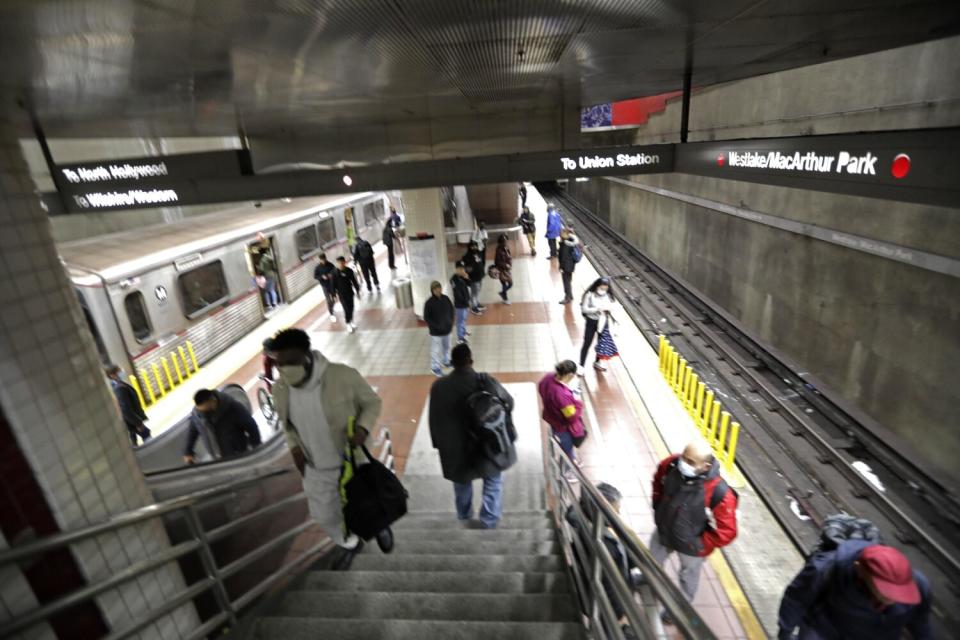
(403, 292)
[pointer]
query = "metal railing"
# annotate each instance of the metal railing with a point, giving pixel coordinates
(200, 541)
(601, 586)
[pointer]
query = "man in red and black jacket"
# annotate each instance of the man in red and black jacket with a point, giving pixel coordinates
(695, 512)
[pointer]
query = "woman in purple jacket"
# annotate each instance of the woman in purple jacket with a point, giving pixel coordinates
(562, 408)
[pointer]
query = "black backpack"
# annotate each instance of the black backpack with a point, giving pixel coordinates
(373, 498)
(492, 429)
(364, 251)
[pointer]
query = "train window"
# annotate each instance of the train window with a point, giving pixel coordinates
(307, 241)
(372, 211)
(202, 288)
(137, 315)
(328, 231)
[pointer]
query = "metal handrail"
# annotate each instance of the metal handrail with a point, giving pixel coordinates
(660, 590)
(200, 542)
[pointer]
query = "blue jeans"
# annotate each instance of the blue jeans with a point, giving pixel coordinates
(439, 352)
(272, 298)
(566, 443)
(492, 500)
(461, 315)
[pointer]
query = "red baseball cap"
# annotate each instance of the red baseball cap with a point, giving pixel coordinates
(891, 573)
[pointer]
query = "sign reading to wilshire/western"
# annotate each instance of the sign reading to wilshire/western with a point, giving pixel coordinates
(913, 166)
(143, 182)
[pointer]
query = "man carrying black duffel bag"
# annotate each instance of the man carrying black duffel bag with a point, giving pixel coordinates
(470, 425)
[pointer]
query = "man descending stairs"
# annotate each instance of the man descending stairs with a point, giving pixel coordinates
(446, 579)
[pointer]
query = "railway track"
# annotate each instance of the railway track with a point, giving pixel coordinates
(800, 449)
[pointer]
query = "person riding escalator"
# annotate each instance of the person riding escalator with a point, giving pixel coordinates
(226, 427)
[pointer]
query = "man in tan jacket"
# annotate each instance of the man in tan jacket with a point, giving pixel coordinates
(315, 400)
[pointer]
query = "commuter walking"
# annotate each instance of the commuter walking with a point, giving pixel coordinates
(563, 408)
(363, 254)
(345, 283)
(389, 235)
(454, 434)
(523, 195)
(504, 263)
(554, 225)
(268, 269)
(568, 255)
(324, 273)
(860, 590)
(129, 403)
(695, 512)
(473, 261)
(225, 426)
(438, 314)
(529, 225)
(481, 237)
(460, 285)
(317, 401)
(595, 305)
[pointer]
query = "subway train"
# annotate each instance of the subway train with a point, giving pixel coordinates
(147, 292)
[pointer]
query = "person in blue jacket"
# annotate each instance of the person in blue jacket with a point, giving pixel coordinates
(860, 591)
(554, 225)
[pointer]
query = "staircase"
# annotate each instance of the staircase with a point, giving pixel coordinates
(444, 579)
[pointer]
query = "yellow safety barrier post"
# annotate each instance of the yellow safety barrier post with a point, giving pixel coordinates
(731, 450)
(136, 387)
(691, 393)
(714, 420)
(707, 408)
(183, 358)
(166, 370)
(698, 405)
(681, 371)
(176, 366)
(722, 436)
(675, 366)
(146, 383)
(662, 352)
(685, 384)
(193, 356)
(156, 377)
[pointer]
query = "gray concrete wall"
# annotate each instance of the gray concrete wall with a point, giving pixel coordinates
(884, 334)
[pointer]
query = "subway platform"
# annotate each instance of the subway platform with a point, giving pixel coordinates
(633, 416)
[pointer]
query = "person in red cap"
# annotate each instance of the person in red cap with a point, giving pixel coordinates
(860, 591)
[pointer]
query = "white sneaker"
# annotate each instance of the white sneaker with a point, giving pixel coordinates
(351, 542)
(351, 328)
(333, 318)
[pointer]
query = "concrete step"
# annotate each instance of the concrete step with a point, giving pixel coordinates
(435, 582)
(444, 520)
(407, 544)
(520, 493)
(484, 535)
(377, 605)
(473, 563)
(350, 629)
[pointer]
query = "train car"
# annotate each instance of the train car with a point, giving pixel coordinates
(146, 292)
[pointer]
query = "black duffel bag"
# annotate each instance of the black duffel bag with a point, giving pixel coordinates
(373, 497)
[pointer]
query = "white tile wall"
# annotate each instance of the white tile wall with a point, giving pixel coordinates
(64, 416)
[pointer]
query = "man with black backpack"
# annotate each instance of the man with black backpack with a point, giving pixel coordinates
(695, 511)
(363, 254)
(471, 427)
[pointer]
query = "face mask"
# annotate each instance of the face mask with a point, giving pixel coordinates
(294, 374)
(686, 470)
(601, 292)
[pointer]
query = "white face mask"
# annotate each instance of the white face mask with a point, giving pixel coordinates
(294, 374)
(686, 470)
(601, 292)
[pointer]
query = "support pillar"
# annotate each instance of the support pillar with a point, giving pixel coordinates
(423, 209)
(60, 421)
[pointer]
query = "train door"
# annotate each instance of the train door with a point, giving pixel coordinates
(97, 338)
(264, 266)
(351, 229)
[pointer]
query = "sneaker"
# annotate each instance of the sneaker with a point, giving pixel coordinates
(351, 328)
(466, 333)
(437, 372)
(564, 301)
(580, 371)
(447, 365)
(333, 318)
(369, 290)
(506, 302)
(599, 367)
(378, 288)
(534, 252)
(476, 312)
(346, 556)
(462, 341)
(666, 618)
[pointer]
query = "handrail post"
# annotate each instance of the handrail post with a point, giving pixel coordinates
(210, 564)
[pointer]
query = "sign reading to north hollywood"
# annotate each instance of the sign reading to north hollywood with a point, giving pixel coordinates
(143, 182)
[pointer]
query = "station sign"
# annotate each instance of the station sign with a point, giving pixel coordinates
(143, 182)
(593, 162)
(915, 166)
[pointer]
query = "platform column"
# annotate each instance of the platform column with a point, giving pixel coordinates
(66, 453)
(423, 209)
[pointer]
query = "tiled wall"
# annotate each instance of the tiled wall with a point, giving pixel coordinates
(63, 414)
